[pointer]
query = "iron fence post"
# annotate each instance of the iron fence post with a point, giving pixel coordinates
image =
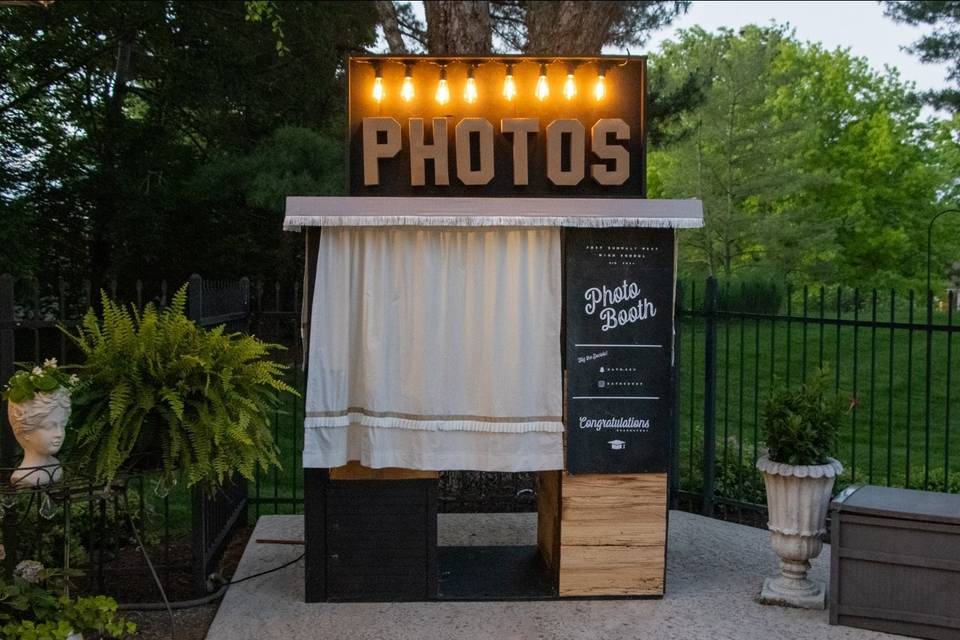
(709, 395)
(199, 537)
(195, 298)
(7, 356)
(674, 475)
(7, 442)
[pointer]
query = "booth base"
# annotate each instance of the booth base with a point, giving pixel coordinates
(494, 573)
(371, 535)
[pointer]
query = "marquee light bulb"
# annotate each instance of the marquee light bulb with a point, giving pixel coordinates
(600, 89)
(406, 90)
(443, 91)
(543, 89)
(378, 92)
(470, 91)
(509, 87)
(569, 87)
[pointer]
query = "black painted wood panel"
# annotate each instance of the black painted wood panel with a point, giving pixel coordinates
(381, 540)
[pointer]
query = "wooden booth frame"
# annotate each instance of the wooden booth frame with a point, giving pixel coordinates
(599, 535)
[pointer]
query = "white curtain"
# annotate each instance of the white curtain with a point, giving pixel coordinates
(436, 348)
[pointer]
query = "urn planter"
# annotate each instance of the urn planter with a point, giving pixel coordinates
(797, 501)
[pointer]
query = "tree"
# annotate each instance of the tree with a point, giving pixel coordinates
(565, 28)
(112, 113)
(732, 153)
(943, 45)
(811, 165)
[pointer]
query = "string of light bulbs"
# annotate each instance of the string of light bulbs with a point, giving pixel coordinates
(470, 90)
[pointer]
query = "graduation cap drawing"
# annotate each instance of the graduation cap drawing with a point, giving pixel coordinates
(617, 445)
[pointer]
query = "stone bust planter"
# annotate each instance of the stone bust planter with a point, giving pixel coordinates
(38, 425)
(797, 501)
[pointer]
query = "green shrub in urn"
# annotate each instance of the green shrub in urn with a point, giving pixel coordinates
(802, 423)
(798, 475)
(203, 397)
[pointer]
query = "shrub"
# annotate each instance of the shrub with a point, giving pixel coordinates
(801, 424)
(154, 378)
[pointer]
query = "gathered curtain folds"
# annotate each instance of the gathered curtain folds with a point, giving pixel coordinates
(436, 349)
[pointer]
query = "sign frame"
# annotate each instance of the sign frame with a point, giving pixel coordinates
(626, 80)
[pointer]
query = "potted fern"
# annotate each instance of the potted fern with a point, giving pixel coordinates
(154, 380)
(799, 474)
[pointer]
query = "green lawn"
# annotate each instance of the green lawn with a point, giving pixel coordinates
(884, 440)
(889, 438)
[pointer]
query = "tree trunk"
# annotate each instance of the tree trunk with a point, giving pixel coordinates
(387, 12)
(107, 212)
(570, 28)
(458, 28)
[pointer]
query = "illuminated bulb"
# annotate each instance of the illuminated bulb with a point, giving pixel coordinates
(470, 91)
(378, 87)
(406, 90)
(509, 87)
(600, 89)
(443, 91)
(543, 89)
(569, 87)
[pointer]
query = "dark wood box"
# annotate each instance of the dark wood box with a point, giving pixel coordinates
(370, 540)
(895, 561)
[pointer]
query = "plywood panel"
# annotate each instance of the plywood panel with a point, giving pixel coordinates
(613, 532)
(611, 570)
(650, 530)
(548, 517)
(639, 486)
(356, 471)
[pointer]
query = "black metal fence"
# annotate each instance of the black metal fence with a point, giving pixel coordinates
(891, 355)
(31, 315)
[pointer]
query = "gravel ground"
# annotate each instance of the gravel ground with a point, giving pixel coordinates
(188, 624)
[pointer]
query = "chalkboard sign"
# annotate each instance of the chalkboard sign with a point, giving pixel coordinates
(619, 335)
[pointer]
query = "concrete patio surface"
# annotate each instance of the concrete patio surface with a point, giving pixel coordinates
(714, 572)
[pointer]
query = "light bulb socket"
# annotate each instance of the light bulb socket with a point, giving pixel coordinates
(510, 69)
(470, 69)
(443, 72)
(377, 70)
(543, 69)
(408, 70)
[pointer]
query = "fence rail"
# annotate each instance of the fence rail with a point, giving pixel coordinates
(31, 315)
(891, 356)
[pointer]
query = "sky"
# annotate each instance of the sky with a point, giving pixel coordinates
(859, 26)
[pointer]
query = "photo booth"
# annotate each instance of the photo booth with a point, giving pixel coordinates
(495, 294)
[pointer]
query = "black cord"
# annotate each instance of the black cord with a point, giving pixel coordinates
(263, 573)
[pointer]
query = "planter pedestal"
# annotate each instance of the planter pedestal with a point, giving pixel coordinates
(797, 500)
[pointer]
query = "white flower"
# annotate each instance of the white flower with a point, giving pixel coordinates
(29, 570)
(73, 379)
(37, 371)
(50, 362)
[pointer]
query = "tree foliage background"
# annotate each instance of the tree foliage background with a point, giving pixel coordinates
(155, 139)
(811, 165)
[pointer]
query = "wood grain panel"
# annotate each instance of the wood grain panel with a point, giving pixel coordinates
(613, 531)
(611, 571)
(648, 487)
(548, 517)
(356, 471)
(650, 531)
